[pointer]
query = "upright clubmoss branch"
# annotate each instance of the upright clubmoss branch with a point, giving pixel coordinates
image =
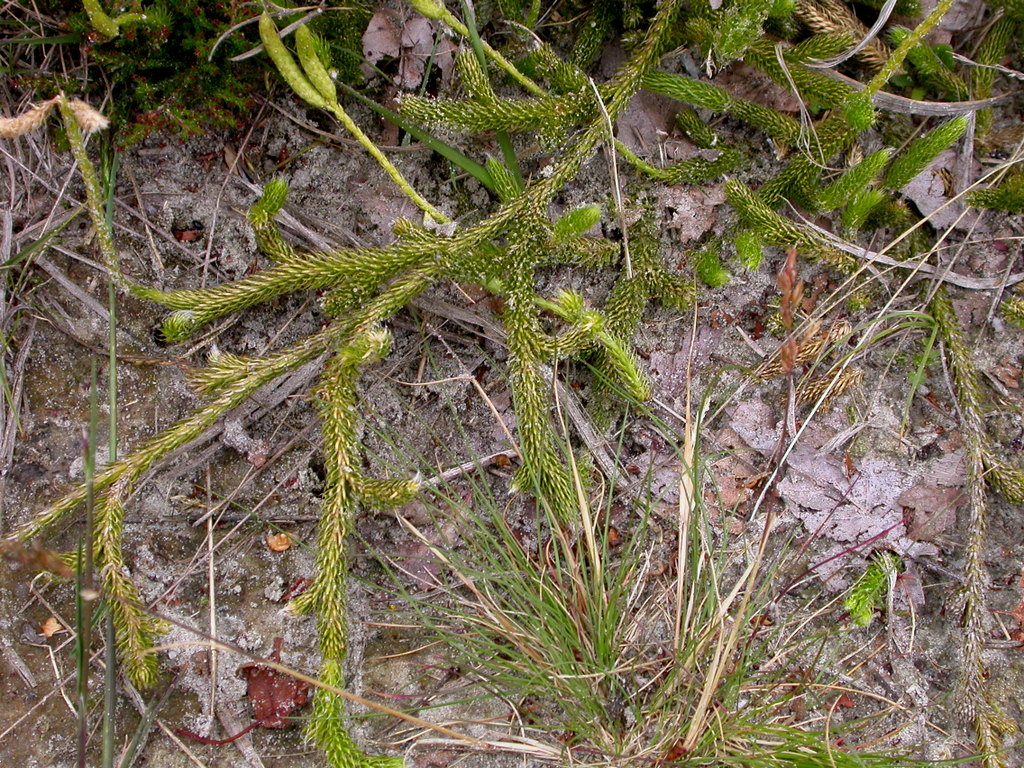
(135, 628)
(898, 56)
(327, 595)
(922, 151)
(854, 181)
(990, 52)
(972, 701)
(544, 470)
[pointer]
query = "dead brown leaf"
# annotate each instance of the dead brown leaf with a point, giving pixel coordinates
(845, 701)
(274, 696)
(909, 588)
(1008, 373)
(933, 191)
(35, 558)
(735, 475)
(693, 211)
(648, 119)
(754, 421)
(390, 34)
(818, 492)
(670, 368)
(745, 82)
(932, 509)
(417, 560)
(961, 15)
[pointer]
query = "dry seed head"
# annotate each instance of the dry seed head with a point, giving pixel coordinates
(29, 120)
(810, 343)
(89, 119)
(830, 17)
(840, 382)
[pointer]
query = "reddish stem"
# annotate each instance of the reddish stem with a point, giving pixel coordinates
(214, 742)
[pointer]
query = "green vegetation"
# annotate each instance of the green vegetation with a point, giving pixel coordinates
(618, 661)
(160, 57)
(578, 653)
(872, 588)
(168, 65)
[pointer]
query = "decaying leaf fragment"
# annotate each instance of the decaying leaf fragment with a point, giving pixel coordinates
(274, 696)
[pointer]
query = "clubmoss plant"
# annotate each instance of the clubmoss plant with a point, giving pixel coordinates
(725, 32)
(974, 700)
(748, 249)
(832, 18)
(991, 51)
(922, 151)
(854, 181)
(1007, 196)
(709, 270)
(503, 251)
(933, 68)
(365, 288)
(1013, 308)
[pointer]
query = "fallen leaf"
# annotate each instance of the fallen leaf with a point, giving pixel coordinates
(692, 210)
(670, 368)
(35, 557)
(845, 701)
(950, 469)
(658, 472)
(933, 191)
(51, 627)
(296, 588)
(648, 118)
(754, 421)
(745, 82)
(416, 558)
(732, 486)
(829, 504)
(189, 234)
(279, 542)
(932, 509)
(383, 37)
(909, 588)
(417, 44)
(1007, 373)
(410, 40)
(274, 696)
(735, 475)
